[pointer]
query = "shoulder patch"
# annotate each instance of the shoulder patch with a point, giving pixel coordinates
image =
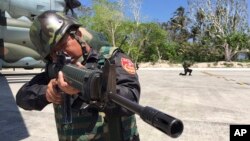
(128, 65)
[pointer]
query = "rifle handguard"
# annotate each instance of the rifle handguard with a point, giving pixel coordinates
(88, 81)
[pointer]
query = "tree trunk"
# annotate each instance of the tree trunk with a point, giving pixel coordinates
(140, 47)
(228, 52)
(159, 54)
(130, 45)
(113, 36)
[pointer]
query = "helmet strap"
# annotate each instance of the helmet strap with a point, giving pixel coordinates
(83, 45)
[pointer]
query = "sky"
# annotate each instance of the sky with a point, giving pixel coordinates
(161, 10)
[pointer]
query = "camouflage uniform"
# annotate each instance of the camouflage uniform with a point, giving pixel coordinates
(87, 123)
(186, 65)
(84, 121)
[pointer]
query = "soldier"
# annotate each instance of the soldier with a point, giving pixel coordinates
(53, 32)
(186, 65)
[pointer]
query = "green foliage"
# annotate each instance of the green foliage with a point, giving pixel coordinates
(172, 52)
(221, 23)
(154, 42)
(200, 36)
(154, 58)
(238, 40)
(177, 26)
(107, 18)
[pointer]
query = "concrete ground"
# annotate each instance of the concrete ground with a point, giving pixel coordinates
(207, 102)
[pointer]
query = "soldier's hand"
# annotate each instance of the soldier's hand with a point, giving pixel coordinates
(52, 94)
(64, 86)
(79, 65)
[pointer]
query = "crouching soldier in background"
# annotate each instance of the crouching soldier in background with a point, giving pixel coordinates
(186, 65)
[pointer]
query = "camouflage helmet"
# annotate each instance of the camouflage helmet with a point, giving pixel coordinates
(96, 40)
(48, 29)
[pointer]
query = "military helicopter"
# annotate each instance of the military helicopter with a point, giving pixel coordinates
(16, 16)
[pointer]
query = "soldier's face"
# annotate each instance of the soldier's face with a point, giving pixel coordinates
(70, 47)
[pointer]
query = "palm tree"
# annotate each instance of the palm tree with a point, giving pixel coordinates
(177, 26)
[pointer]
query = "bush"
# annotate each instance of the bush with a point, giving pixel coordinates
(228, 65)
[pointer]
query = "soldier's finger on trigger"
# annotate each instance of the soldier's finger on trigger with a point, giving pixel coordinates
(52, 97)
(49, 97)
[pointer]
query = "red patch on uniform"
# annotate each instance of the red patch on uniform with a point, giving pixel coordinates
(128, 65)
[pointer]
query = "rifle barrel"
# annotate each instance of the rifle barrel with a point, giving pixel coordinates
(165, 123)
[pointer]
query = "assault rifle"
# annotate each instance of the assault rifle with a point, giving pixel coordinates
(95, 81)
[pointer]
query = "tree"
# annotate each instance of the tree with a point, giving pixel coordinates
(177, 26)
(149, 42)
(135, 6)
(238, 40)
(108, 16)
(198, 25)
(154, 45)
(222, 18)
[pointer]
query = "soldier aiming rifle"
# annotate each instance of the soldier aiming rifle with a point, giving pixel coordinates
(93, 86)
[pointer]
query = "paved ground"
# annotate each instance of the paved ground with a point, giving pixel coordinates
(207, 102)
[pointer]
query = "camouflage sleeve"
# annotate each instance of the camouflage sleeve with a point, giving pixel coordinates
(128, 85)
(31, 96)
